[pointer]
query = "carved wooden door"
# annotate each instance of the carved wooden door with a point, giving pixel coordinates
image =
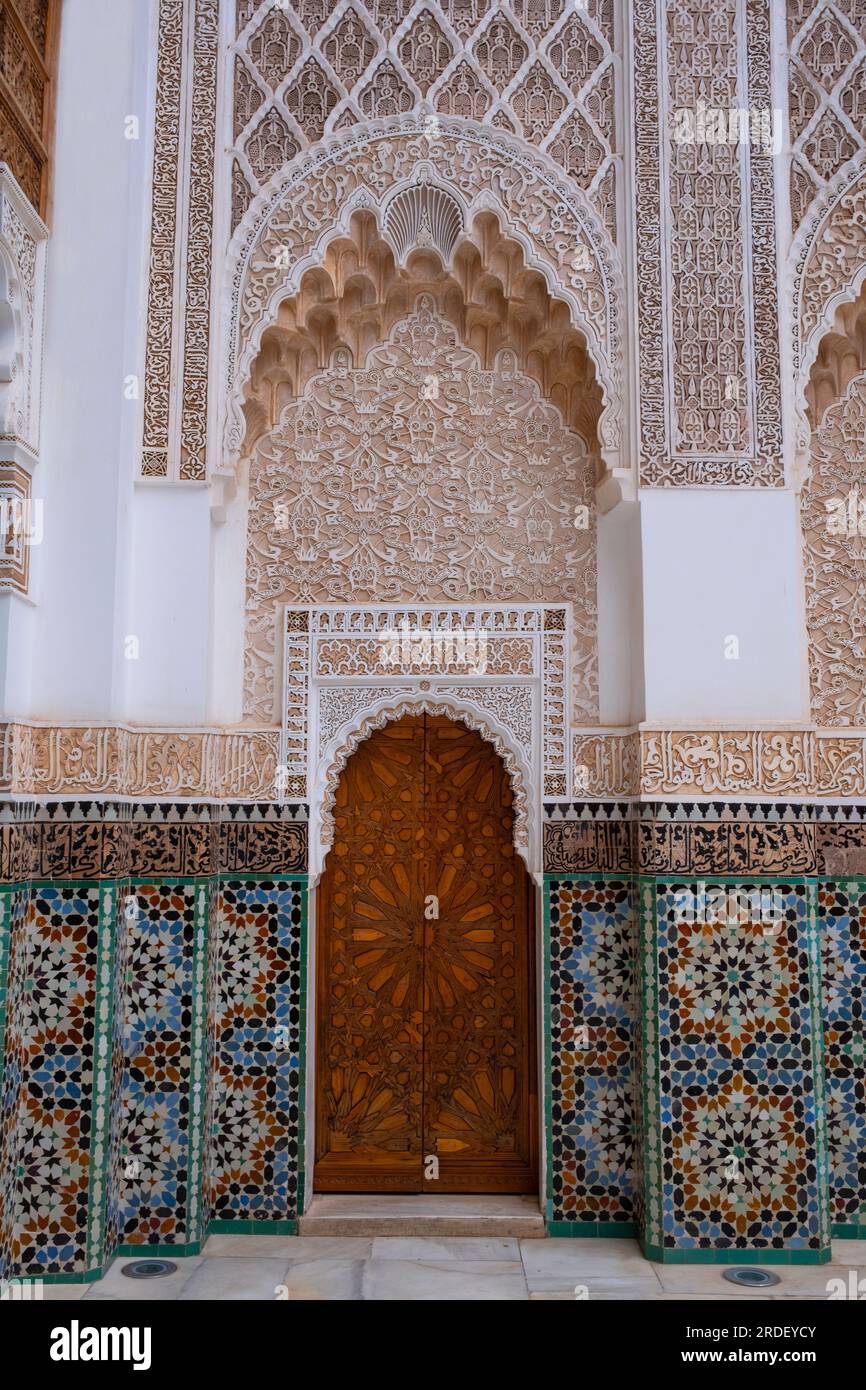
(426, 1073)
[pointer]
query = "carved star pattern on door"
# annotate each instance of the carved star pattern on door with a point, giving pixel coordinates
(477, 1057)
(425, 1021)
(370, 977)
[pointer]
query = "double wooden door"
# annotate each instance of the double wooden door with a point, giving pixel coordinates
(425, 999)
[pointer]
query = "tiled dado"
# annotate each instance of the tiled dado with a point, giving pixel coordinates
(153, 1064)
(173, 933)
(733, 1131)
(590, 944)
(723, 1035)
(56, 1086)
(255, 1167)
(672, 1050)
(842, 922)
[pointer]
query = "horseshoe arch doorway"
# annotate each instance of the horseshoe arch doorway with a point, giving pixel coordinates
(426, 1077)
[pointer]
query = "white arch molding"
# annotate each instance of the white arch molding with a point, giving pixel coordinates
(527, 795)
(285, 228)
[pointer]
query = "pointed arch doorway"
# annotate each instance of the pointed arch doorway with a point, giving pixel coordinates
(426, 1070)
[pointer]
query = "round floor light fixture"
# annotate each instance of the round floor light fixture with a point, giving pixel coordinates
(750, 1277)
(148, 1269)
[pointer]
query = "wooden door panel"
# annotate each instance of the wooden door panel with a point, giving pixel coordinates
(370, 972)
(425, 1026)
(479, 1079)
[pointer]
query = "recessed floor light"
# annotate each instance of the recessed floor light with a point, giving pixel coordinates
(750, 1277)
(148, 1269)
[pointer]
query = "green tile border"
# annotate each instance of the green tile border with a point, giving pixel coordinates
(100, 1136)
(812, 944)
(668, 1256)
(8, 894)
(86, 1277)
(547, 1043)
(649, 1065)
(594, 1230)
(252, 1228)
(857, 1232)
(302, 880)
(196, 1127)
(160, 1252)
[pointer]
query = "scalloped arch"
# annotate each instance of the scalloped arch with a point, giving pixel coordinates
(363, 285)
(562, 236)
(829, 256)
(337, 754)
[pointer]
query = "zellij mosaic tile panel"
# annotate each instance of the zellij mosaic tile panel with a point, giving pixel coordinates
(842, 919)
(56, 1083)
(161, 1119)
(740, 1120)
(255, 1160)
(591, 930)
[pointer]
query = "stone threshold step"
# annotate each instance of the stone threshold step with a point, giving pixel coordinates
(364, 1214)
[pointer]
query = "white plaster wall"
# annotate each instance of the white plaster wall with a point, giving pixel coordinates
(16, 631)
(620, 616)
(93, 321)
(166, 675)
(228, 595)
(719, 564)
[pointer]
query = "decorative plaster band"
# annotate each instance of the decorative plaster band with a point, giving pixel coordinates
(242, 765)
(113, 760)
(754, 762)
(771, 763)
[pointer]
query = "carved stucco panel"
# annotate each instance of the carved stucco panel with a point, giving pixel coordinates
(709, 361)
(419, 477)
(529, 69)
(834, 553)
(283, 234)
(23, 238)
(830, 266)
(826, 97)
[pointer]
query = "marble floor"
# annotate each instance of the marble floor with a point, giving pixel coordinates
(406, 1269)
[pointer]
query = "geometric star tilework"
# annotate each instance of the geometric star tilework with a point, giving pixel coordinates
(842, 921)
(591, 1121)
(50, 1121)
(255, 1143)
(742, 1147)
(157, 1112)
